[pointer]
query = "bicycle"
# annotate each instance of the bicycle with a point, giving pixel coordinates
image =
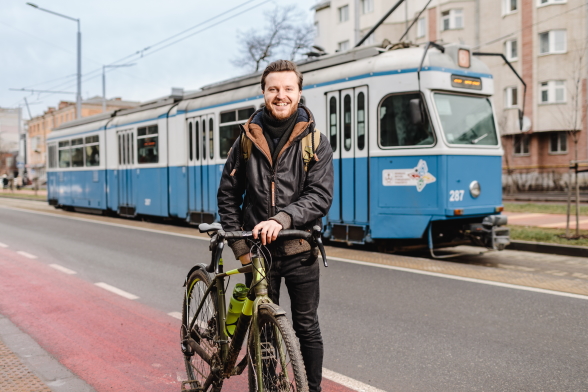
(273, 355)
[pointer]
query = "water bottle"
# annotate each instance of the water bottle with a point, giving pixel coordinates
(235, 307)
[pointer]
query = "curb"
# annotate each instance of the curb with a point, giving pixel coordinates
(542, 247)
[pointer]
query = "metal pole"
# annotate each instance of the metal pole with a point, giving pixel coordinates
(79, 94)
(577, 204)
(569, 206)
(103, 89)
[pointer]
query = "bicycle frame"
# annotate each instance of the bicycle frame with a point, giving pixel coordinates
(229, 350)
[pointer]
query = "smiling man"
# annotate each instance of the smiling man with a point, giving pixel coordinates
(285, 188)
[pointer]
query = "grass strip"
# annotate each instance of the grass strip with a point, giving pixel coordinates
(550, 236)
(543, 208)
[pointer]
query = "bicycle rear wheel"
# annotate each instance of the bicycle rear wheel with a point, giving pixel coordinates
(281, 368)
(202, 329)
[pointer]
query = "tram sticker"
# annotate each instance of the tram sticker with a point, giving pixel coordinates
(418, 176)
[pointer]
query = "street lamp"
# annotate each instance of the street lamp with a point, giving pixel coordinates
(104, 81)
(79, 93)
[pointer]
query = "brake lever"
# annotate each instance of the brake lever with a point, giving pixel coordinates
(317, 235)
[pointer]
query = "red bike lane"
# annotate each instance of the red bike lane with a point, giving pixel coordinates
(113, 343)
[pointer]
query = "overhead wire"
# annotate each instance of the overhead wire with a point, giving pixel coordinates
(141, 54)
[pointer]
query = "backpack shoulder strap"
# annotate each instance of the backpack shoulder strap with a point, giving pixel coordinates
(246, 144)
(309, 144)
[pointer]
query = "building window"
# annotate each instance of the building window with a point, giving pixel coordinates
(367, 6)
(547, 2)
(510, 97)
(511, 50)
(452, 19)
(553, 41)
(558, 143)
(343, 46)
(344, 13)
(521, 144)
(553, 91)
(509, 6)
(421, 28)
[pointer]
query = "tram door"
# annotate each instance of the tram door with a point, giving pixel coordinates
(194, 165)
(126, 158)
(347, 123)
(199, 194)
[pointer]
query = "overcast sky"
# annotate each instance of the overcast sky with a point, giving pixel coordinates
(38, 49)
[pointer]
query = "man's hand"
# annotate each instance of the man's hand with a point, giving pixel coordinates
(267, 231)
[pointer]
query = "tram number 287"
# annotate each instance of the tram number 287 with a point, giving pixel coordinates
(456, 195)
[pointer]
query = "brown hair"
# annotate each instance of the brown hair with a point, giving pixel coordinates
(281, 66)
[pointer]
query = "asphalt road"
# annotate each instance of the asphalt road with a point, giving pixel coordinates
(394, 330)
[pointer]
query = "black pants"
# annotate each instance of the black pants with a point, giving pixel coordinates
(302, 283)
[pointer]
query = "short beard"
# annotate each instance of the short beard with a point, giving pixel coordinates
(294, 108)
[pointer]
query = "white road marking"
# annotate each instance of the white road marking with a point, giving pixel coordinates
(472, 280)
(115, 290)
(25, 254)
(63, 269)
(349, 382)
(108, 223)
(3, 245)
(177, 315)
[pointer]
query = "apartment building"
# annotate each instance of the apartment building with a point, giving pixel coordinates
(39, 127)
(546, 41)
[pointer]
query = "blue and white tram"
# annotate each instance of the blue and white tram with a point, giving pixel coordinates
(417, 155)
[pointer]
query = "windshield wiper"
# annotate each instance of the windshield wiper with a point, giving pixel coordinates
(475, 141)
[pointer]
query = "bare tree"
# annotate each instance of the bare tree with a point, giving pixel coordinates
(285, 33)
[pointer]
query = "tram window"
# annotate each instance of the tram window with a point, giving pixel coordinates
(211, 137)
(92, 151)
(229, 129)
(396, 126)
(203, 139)
(190, 140)
(64, 154)
(228, 117)
(52, 156)
(227, 136)
(333, 122)
(466, 119)
(147, 144)
(120, 149)
(77, 152)
(244, 114)
(347, 122)
(360, 118)
(197, 138)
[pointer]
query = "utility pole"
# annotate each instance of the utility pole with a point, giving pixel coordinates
(79, 64)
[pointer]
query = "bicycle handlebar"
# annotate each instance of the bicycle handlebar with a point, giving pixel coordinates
(219, 235)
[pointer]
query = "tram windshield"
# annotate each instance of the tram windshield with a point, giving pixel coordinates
(466, 119)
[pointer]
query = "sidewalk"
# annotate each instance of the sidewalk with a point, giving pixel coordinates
(549, 221)
(23, 191)
(26, 367)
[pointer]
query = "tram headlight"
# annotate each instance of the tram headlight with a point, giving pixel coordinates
(475, 189)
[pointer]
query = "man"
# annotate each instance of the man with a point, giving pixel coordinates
(282, 194)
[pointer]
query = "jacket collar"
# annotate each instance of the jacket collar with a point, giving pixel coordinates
(254, 131)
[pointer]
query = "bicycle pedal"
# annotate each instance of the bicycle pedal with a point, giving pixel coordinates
(268, 351)
(190, 389)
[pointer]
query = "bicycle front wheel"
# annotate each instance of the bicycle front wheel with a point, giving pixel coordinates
(276, 363)
(201, 328)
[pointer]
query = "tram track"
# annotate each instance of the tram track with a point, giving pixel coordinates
(538, 270)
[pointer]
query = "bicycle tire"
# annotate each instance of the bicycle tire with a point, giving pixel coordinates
(204, 329)
(280, 373)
